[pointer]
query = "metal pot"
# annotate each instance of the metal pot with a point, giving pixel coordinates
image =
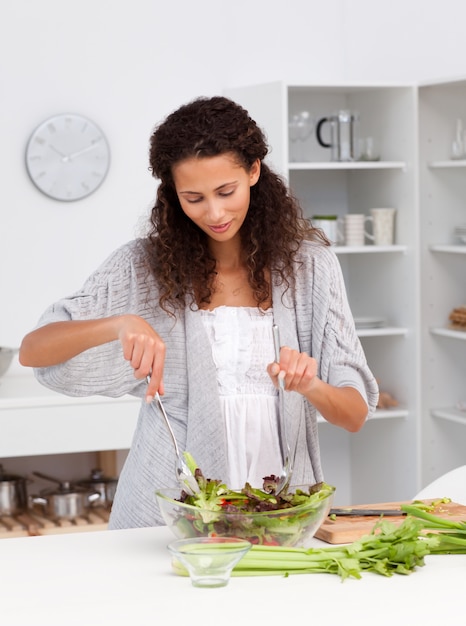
(105, 486)
(13, 493)
(66, 502)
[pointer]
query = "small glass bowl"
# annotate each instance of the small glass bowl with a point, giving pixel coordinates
(208, 560)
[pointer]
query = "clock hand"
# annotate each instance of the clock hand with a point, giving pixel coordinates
(73, 155)
(63, 156)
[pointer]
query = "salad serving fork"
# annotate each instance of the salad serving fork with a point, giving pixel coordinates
(183, 474)
(287, 463)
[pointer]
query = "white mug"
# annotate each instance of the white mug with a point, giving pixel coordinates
(383, 226)
(354, 229)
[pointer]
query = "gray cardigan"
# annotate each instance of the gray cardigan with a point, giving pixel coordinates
(314, 317)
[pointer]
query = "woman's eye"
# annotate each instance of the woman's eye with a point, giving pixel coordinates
(224, 194)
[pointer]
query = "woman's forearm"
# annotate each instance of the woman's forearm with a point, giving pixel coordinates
(341, 406)
(60, 341)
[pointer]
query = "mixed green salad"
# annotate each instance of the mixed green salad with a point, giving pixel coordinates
(259, 515)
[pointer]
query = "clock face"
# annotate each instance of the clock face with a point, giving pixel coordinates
(67, 157)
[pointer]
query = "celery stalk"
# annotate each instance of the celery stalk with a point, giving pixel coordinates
(392, 550)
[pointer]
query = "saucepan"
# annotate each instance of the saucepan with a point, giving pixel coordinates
(13, 493)
(104, 485)
(65, 502)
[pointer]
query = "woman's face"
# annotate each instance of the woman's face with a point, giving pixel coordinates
(214, 192)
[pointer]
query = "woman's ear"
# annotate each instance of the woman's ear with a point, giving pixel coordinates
(254, 172)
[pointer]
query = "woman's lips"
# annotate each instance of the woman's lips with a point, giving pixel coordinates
(220, 228)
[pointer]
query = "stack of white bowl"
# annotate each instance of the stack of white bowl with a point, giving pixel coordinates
(460, 233)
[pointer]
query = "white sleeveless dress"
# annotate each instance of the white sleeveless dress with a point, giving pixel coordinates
(242, 347)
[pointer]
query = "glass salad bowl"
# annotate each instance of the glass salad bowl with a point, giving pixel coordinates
(249, 514)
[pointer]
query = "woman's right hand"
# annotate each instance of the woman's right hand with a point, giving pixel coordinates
(145, 350)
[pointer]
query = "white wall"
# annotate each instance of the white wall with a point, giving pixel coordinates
(126, 65)
(404, 41)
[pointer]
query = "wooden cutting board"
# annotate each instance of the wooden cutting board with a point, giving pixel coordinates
(346, 529)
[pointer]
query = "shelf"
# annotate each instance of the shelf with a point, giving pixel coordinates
(380, 414)
(447, 164)
(386, 331)
(451, 414)
(450, 248)
(369, 249)
(449, 332)
(346, 165)
(33, 523)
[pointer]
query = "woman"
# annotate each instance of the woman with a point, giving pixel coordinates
(192, 305)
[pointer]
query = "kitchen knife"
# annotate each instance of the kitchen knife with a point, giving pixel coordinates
(365, 512)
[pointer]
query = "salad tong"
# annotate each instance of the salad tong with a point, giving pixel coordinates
(183, 474)
(287, 464)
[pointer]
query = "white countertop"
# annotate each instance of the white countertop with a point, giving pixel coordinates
(124, 578)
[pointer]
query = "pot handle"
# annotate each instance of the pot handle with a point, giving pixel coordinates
(92, 497)
(38, 500)
(46, 477)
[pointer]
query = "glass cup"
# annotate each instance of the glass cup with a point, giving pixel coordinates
(368, 149)
(300, 128)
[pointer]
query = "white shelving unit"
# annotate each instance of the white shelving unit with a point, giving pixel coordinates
(443, 206)
(381, 462)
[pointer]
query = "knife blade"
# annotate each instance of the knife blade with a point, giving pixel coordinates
(365, 512)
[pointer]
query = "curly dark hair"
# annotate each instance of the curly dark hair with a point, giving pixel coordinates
(274, 226)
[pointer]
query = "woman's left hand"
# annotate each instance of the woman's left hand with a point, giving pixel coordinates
(341, 406)
(298, 369)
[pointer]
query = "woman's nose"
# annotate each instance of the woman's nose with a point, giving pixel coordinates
(215, 210)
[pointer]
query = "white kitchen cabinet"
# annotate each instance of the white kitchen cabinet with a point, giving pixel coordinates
(62, 437)
(443, 273)
(380, 463)
(36, 421)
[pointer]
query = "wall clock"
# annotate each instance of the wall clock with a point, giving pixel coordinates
(67, 157)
